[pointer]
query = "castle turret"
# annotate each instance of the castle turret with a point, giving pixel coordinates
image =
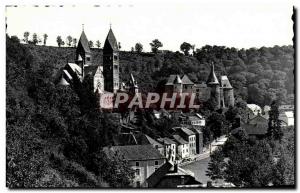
(111, 63)
(214, 85)
(227, 90)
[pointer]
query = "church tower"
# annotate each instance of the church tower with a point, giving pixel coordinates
(111, 63)
(83, 53)
(214, 85)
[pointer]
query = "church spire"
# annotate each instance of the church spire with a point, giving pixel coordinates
(111, 41)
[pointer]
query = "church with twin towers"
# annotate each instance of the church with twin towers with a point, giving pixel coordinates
(105, 78)
(102, 79)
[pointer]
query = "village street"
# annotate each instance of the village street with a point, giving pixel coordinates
(199, 167)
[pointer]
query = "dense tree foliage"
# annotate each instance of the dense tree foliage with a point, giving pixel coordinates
(275, 81)
(254, 163)
(53, 134)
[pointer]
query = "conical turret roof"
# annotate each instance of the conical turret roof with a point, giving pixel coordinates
(212, 78)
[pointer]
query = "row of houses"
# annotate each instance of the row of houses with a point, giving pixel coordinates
(146, 156)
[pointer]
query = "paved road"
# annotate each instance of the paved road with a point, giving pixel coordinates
(199, 168)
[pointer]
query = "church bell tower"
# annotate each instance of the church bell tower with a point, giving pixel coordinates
(111, 63)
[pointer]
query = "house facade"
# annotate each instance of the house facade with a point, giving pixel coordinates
(143, 159)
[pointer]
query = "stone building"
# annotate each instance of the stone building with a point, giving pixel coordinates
(143, 159)
(221, 91)
(102, 76)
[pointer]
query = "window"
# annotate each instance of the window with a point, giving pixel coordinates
(137, 164)
(156, 163)
(156, 146)
(137, 172)
(155, 169)
(115, 57)
(88, 58)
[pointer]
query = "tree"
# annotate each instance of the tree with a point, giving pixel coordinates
(274, 127)
(74, 42)
(98, 44)
(59, 41)
(243, 164)
(138, 47)
(155, 44)
(34, 39)
(185, 47)
(26, 36)
(69, 41)
(91, 44)
(45, 38)
(217, 124)
(217, 165)
(114, 170)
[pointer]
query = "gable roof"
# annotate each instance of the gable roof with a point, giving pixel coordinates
(144, 139)
(180, 140)
(83, 41)
(259, 119)
(187, 131)
(166, 140)
(185, 80)
(134, 152)
(91, 70)
(156, 177)
(173, 79)
(212, 78)
(111, 41)
(176, 79)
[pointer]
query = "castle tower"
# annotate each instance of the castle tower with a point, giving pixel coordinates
(214, 85)
(111, 63)
(227, 89)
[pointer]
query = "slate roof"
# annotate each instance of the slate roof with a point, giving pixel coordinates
(187, 131)
(134, 152)
(185, 80)
(259, 119)
(166, 140)
(63, 82)
(176, 79)
(225, 82)
(212, 78)
(91, 70)
(83, 41)
(111, 41)
(156, 177)
(180, 140)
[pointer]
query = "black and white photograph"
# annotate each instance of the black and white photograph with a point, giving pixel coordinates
(150, 95)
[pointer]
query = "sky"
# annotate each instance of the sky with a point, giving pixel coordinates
(240, 24)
